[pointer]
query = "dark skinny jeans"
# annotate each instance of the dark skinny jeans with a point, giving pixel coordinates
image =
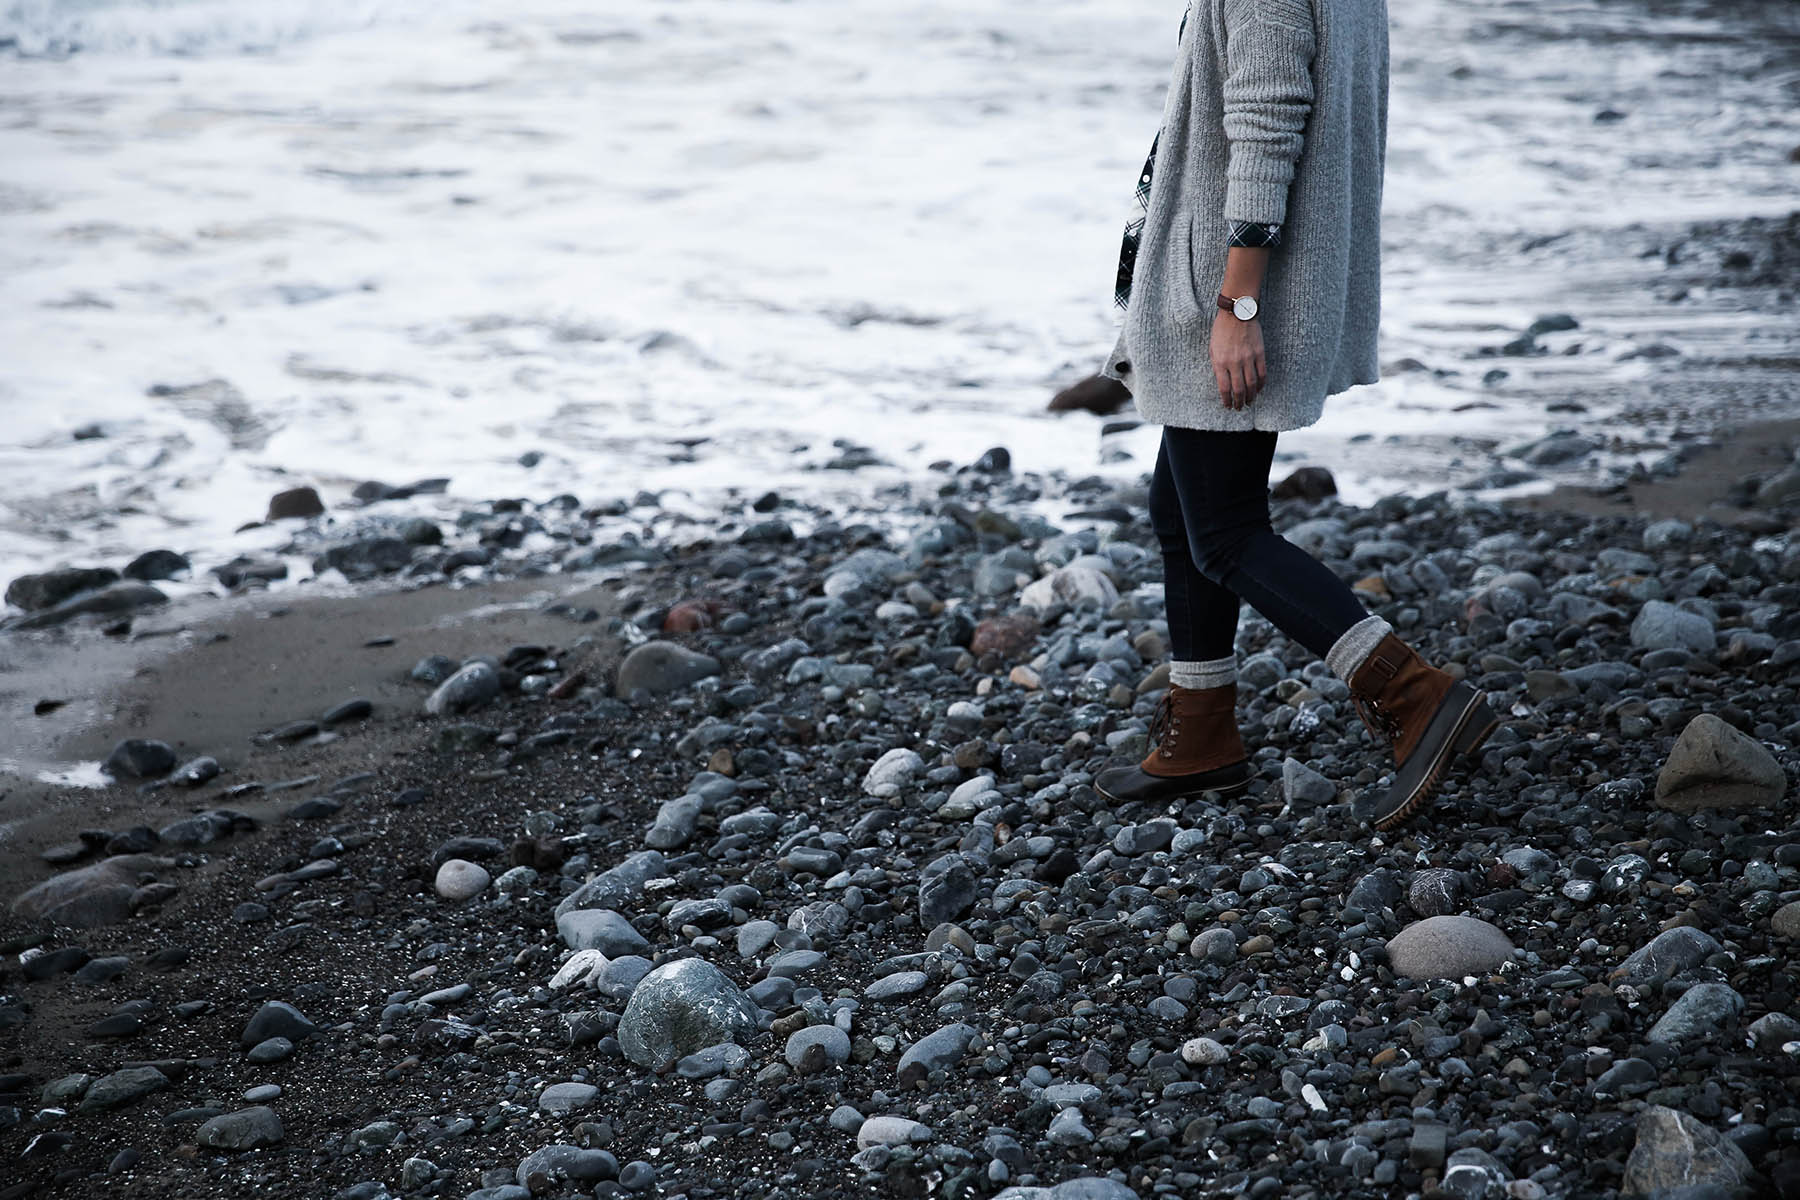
(1209, 506)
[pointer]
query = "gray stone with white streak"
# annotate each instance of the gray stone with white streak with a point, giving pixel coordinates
(681, 1007)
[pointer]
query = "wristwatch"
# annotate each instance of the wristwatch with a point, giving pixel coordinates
(1244, 308)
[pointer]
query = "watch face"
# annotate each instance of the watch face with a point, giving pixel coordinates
(1244, 307)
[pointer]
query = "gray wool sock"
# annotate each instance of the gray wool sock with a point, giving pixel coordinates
(1213, 673)
(1352, 649)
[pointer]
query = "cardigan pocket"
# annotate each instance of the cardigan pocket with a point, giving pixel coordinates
(1184, 303)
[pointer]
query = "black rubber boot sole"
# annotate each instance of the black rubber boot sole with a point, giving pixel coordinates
(1462, 723)
(1125, 785)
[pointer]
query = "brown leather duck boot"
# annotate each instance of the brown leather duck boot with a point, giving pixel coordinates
(1427, 717)
(1195, 747)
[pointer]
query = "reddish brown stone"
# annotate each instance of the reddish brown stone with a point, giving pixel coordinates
(1009, 636)
(974, 754)
(691, 616)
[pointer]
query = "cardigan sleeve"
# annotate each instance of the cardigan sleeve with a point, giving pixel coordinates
(1268, 95)
(1118, 364)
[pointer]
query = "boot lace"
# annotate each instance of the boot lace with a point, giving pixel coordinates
(1165, 726)
(1379, 720)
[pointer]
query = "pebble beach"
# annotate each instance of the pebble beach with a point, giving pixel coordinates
(767, 862)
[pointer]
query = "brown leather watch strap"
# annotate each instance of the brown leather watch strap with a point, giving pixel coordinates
(1230, 305)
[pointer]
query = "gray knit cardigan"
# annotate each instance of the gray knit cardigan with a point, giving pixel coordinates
(1277, 113)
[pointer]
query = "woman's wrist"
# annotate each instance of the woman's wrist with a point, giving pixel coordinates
(1245, 267)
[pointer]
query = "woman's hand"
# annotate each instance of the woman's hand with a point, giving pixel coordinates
(1237, 359)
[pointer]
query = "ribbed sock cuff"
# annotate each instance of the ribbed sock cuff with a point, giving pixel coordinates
(1354, 646)
(1216, 672)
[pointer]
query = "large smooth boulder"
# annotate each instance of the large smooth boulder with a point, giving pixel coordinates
(1699, 1014)
(892, 772)
(1300, 784)
(1714, 765)
(561, 1099)
(98, 894)
(116, 600)
(139, 758)
(1447, 948)
(682, 1007)
(246, 1129)
(866, 570)
(940, 1049)
(891, 1131)
(675, 822)
(1660, 625)
(618, 886)
(469, 689)
(34, 593)
(1077, 586)
(1674, 1150)
(276, 1018)
(600, 929)
(659, 667)
(1669, 953)
(153, 565)
(366, 558)
(548, 1167)
(833, 1045)
(460, 879)
(1088, 1187)
(122, 1087)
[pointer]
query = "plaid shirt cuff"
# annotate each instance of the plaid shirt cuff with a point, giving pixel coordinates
(1255, 234)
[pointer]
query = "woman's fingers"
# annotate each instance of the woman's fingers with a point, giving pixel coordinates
(1222, 376)
(1240, 383)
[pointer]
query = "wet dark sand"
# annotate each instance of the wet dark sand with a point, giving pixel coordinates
(208, 676)
(1702, 487)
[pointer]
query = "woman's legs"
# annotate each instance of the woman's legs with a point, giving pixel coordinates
(1203, 615)
(1221, 481)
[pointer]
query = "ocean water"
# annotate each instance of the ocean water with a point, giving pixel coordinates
(703, 246)
(58, 28)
